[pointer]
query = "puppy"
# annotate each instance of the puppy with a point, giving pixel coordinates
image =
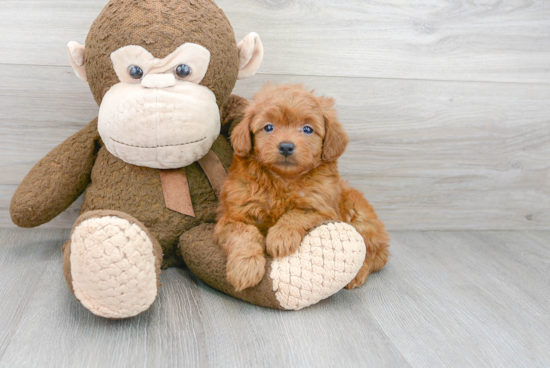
(284, 181)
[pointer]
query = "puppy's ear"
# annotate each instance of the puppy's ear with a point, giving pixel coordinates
(241, 137)
(336, 139)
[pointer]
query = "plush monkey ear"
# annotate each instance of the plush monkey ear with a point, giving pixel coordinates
(77, 58)
(336, 139)
(241, 137)
(251, 54)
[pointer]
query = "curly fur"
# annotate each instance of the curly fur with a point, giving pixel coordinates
(270, 202)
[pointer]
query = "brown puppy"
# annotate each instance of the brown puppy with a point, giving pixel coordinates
(284, 181)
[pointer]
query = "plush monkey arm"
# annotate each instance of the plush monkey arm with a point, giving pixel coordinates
(232, 114)
(329, 258)
(57, 180)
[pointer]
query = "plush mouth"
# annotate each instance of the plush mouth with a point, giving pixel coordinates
(167, 145)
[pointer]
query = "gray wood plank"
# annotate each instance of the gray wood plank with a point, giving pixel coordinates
(192, 325)
(443, 40)
(337, 332)
(36, 116)
(463, 299)
(450, 299)
(37, 31)
(23, 257)
(57, 331)
(428, 155)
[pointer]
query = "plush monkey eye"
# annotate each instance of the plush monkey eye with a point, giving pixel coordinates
(135, 72)
(183, 71)
(269, 128)
(308, 130)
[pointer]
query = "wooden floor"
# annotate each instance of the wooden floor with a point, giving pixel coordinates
(447, 103)
(446, 299)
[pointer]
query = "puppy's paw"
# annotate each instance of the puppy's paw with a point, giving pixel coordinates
(244, 271)
(281, 242)
(360, 278)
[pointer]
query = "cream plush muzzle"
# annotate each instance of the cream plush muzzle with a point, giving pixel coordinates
(158, 128)
(159, 121)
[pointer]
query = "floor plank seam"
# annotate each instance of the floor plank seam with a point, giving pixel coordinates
(343, 76)
(30, 296)
(389, 338)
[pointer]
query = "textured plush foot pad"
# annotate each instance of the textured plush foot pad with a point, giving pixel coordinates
(113, 267)
(328, 259)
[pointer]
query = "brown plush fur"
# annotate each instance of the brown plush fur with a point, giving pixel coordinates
(208, 262)
(270, 202)
(160, 27)
(82, 163)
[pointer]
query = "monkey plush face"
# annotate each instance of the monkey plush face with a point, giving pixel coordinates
(161, 72)
(172, 120)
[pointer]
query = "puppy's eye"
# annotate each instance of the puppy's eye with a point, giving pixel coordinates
(135, 72)
(308, 130)
(269, 128)
(183, 71)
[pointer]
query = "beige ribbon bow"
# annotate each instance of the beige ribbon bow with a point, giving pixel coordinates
(176, 187)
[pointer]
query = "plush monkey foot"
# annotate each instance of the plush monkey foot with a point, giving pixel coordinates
(328, 259)
(112, 264)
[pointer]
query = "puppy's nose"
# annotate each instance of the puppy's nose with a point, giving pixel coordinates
(286, 148)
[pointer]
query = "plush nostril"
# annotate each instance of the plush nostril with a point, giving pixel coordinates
(286, 149)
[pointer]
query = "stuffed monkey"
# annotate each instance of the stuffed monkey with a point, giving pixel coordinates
(152, 163)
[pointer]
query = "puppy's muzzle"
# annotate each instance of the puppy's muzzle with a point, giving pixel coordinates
(286, 148)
